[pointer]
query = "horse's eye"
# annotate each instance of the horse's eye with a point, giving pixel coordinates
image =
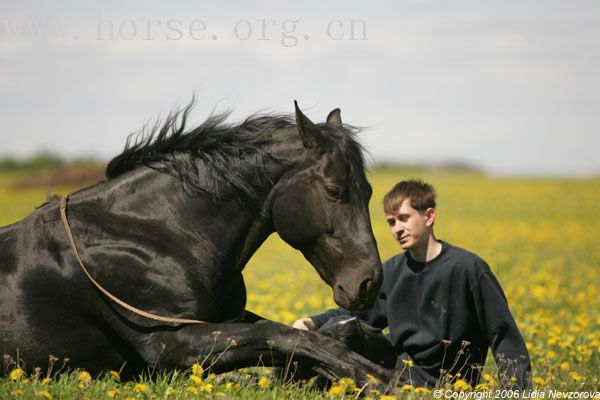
(333, 191)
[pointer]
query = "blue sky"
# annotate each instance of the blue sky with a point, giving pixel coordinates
(511, 86)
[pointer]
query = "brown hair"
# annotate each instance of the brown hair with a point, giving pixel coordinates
(420, 194)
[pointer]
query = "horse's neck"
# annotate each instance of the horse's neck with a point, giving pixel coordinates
(257, 221)
(227, 231)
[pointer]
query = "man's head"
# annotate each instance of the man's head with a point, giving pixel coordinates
(410, 212)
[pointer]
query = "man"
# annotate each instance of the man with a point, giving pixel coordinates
(442, 304)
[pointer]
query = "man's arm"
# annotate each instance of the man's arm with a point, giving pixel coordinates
(314, 322)
(376, 316)
(501, 331)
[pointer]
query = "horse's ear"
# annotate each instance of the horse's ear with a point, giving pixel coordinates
(335, 118)
(311, 136)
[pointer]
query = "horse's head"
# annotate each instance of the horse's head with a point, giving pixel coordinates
(321, 208)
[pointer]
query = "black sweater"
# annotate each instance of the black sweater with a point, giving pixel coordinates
(445, 314)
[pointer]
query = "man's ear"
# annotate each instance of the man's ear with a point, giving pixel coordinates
(311, 136)
(430, 216)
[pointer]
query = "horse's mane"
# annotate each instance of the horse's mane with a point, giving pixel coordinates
(169, 148)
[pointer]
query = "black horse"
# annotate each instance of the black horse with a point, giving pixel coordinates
(170, 231)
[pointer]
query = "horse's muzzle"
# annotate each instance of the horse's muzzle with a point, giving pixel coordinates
(358, 293)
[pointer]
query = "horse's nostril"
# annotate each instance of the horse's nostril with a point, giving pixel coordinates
(363, 292)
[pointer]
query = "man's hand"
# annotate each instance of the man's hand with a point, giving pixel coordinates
(305, 324)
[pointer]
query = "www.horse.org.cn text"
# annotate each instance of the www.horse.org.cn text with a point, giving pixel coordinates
(287, 32)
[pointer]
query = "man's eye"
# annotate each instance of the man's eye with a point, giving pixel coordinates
(332, 191)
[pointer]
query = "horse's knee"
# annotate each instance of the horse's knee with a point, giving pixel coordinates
(346, 330)
(361, 338)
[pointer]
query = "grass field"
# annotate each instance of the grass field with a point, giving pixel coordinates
(539, 236)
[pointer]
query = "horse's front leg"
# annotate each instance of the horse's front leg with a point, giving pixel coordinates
(226, 347)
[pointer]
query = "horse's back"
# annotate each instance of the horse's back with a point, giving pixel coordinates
(8, 244)
(22, 241)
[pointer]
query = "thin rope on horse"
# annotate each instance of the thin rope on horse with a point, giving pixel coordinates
(63, 215)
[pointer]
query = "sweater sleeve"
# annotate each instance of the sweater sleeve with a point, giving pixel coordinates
(500, 329)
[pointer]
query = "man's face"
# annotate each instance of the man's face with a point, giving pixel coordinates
(410, 227)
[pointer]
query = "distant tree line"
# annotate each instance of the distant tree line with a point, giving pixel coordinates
(444, 166)
(41, 161)
(48, 160)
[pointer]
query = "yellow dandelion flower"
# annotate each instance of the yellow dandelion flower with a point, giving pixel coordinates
(482, 386)
(387, 398)
(529, 345)
(84, 377)
(113, 393)
(141, 388)
(489, 379)
(576, 377)
(407, 388)
(17, 393)
(46, 381)
(207, 388)
(408, 363)
(585, 350)
(337, 390)
(372, 379)
(116, 376)
(220, 394)
(263, 382)
(197, 380)
(197, 370)
(45, 395)
(421, 389)
(461, 386)
(575, 329)
(16, 374)
(347, 382)
(539, 381)
(192, 390)
(564, 366)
